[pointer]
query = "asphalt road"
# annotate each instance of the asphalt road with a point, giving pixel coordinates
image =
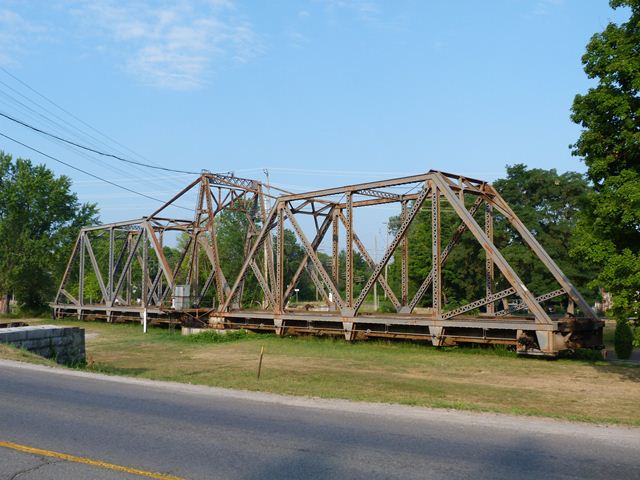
(203, 433)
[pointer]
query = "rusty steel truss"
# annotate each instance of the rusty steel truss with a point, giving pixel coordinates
(512, 315)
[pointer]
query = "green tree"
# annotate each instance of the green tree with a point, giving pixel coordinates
(361, 272)
(293, 255)
(609, 113)
(231, 230)
(623, 340)
(39, 220)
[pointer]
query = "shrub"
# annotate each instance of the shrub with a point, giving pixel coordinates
(623, 340)
(212, 336)
(386, 306)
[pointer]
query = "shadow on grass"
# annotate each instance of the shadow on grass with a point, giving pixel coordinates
(625, 371)
(111, 370)
(399, 344)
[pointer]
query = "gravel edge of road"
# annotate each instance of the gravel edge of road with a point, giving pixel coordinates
(624, 435)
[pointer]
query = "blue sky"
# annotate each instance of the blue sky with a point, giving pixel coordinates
(320, 92)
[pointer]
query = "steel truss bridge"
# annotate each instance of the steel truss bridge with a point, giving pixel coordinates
(137, 262)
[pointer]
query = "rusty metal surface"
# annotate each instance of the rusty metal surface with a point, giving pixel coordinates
(137, 245)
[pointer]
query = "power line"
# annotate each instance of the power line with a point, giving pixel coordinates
(30, 112)
(89, 173)
(68, 112)
(93, 150)
(73, 129)
(108, 146)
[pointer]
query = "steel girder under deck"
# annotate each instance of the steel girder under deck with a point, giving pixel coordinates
(494, 318)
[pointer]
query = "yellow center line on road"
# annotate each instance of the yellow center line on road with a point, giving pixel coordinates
(87, 461)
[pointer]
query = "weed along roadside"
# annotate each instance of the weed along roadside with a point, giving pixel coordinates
(479, 379)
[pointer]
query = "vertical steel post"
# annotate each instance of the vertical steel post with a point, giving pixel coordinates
(265, 207)
(81, 272)
(159, 287)
(129, 269)
(280, 260)
(192, 256)
(335, 260)
(489, 270)
(405, 258)
(349, 253)
(375, 285)
(265, 250)
(196, 272)
(111, 257)
(435, 250)
(145, 268)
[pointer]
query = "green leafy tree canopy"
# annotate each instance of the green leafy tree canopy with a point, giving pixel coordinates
(39, 220)
(609, 113)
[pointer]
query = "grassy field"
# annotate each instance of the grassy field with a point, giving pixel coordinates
(469, 379)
